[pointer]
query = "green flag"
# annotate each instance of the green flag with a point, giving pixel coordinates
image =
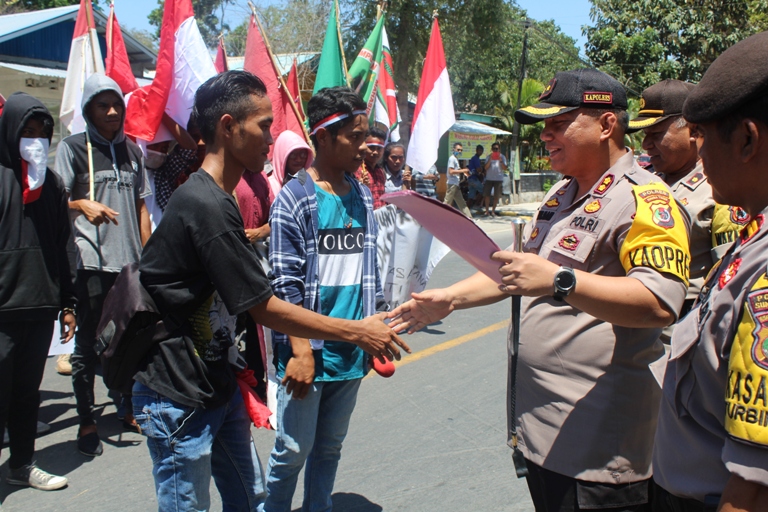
(330, 70)
(364, 72)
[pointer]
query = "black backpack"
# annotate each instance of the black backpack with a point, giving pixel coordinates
(130, 324)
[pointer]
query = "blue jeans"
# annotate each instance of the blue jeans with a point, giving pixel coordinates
(189, 445)
(310, 430)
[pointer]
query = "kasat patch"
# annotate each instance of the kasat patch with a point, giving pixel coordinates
(738, 215)
(605, 98)
(746, 392)
(552, 203)
(593, 207)
(604, 185)
(569, 242)
(729, 273)
(547, 92)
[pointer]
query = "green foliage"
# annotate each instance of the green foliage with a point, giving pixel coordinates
(205, 14)
(13, 6)
(644, 41)
(505, 109)
(547, 186)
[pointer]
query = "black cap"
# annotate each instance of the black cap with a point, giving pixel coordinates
(569, 90)
(735, 78)
(659, 102)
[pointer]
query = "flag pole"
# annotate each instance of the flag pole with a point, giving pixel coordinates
(341, 42)
(92, 32)
(277, 68)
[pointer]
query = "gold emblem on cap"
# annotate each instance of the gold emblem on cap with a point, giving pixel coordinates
(642, 103)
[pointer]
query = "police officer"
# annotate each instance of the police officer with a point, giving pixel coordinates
(712, 440)
(672, 144)
(604, 269)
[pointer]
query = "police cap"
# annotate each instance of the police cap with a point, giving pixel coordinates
(659, 102)
(569, 90)
(734, 79)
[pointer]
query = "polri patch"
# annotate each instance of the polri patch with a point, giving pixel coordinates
(729, 273)
(604, 185)
(592, 97)
(569, 242)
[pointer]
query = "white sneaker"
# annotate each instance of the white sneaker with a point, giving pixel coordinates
(33, 476)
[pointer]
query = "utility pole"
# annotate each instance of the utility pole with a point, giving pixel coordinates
(528, 23)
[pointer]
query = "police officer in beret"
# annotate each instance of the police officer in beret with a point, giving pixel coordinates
(604, 269)
(672, 144)
(712, 440)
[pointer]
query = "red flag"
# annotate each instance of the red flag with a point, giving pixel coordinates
(118, 66)
(183, 64)
(293, 89)
(221, 58)
(258, 60)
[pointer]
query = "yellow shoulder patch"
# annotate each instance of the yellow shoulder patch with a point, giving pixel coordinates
(727, 222)
(746, 397)
(658, 238)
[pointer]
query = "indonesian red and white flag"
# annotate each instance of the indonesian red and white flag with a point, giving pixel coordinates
(434, 114)
(258, 60)
(221, 57)
(183, 64)
(84, 60)
(118, 67)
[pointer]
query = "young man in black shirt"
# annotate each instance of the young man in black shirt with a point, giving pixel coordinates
(199, 265)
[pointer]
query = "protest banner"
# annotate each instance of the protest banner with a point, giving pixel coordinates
(470, 141)
(407, 254)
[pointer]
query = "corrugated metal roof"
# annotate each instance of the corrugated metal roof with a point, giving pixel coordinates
(284, 60)
(15, 25)
(476, 128)
(58, 73)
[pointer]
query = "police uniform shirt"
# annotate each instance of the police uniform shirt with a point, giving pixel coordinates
(710, 235)
(587, 401)
(714, 411)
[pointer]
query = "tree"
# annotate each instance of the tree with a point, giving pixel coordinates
(209, 23)
(144, 37)
(14, 6)
(644, 41)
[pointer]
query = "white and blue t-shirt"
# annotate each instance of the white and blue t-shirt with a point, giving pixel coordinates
(341, 233)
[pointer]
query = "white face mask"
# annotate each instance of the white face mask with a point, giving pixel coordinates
(35, 153)
(154, 159)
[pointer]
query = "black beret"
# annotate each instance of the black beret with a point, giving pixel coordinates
(737, 76)
(569, 90)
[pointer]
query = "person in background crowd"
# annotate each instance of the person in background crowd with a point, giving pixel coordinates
(36, 282)
(110, 226)
(673, 146)
(394, 161)
(290, 154)
(199, 266)
(495, 167)
(164, 169)
(711, 447)
(424, 183)
(371, 174)
(321, 377)
(592, 306)
(453, 192)
(475, 164)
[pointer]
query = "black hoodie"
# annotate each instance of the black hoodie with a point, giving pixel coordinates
(35, 276)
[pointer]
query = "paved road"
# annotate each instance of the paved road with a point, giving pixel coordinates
(431, 438)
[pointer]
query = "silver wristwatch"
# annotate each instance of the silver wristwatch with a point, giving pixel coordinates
(565, 282)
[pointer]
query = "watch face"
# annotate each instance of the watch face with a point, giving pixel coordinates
(565, 280)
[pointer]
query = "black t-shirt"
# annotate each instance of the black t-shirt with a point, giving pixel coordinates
(199, 265)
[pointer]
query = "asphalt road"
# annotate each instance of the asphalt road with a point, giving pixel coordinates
(431, 438)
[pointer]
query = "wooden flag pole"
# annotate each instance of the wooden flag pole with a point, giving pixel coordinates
(279, 76)
(341, 42)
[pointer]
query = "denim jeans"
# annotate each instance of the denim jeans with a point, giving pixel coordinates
(189, 445)
(310, 430)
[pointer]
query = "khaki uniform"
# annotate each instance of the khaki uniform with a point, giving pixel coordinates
(587, 401)
(710, 235)
(714, 411)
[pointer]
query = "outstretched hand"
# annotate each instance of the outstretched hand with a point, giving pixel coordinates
(380, 340)
(423, 309)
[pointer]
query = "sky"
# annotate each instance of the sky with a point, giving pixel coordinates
(570, 15)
